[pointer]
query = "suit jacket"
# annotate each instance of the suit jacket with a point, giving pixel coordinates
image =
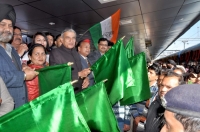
(63, 55)
(13, 77)
(7, 104)
(84, 66)
(94, 56)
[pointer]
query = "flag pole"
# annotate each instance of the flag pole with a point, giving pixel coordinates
(75, 81)
(123, 37)
(105, 80)
(70, 63)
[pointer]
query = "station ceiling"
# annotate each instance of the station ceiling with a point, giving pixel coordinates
(160, 21)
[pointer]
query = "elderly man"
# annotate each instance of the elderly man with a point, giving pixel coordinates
(182, 114)
(10, 66)
(17, 41)
(83, 48)
(102, 49)
(155, 118)
(67, 53)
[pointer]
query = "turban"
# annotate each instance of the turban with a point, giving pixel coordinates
(183, 100)
(7, 12)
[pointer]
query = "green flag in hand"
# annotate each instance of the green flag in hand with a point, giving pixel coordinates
(55, 111)
(130, 48)
(53, 76)
(114, 66)
(141, 90)
(96, 109)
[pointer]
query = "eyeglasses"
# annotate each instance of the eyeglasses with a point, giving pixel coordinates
(17, 34)
(103, 45)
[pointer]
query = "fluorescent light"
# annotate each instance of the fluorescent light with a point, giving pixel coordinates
(105, 1)
(124, 22)
(51, 23)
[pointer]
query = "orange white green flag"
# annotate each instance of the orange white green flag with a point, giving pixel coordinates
(107, 28)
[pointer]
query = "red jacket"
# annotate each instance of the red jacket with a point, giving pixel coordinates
(33, 85)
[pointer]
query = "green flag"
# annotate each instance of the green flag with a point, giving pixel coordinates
(96, 109)
(114, 66)
(130, 48)
(53, 76)
(55, 111)
(141, 90)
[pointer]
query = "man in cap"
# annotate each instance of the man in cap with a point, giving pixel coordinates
(83, 48)
(10, 66)
(182, 114)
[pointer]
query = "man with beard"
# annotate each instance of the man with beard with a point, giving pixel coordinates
(10, 66)
(102, 49)
(17, 41)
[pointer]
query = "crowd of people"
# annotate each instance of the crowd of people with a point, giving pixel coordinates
(173, 106)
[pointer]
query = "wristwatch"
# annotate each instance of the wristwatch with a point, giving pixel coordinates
(24, 76)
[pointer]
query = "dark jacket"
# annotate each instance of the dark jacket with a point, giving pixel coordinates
(84, 66)
(155, 117)
(63, 55)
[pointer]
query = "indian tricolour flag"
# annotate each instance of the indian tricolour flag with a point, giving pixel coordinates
(108, 28)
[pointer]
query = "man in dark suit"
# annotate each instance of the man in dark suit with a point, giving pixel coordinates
(83, 48)
(67, 53)
(102, 49)
(10, 65)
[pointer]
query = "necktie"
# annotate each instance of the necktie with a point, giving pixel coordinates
(88, 62)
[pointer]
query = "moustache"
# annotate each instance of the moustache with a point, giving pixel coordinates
(7, 32)
(18, 39)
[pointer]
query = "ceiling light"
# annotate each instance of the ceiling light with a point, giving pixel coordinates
(124, 22)
(51, 23)
(80, 34)
(105, 1)
(181, 19)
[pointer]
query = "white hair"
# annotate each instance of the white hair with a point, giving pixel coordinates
(67, 30)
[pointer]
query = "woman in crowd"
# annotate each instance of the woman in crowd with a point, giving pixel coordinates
(39, 38)
(37, 60)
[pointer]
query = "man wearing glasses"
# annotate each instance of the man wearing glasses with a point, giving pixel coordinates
(17, 41)
(102, 48)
